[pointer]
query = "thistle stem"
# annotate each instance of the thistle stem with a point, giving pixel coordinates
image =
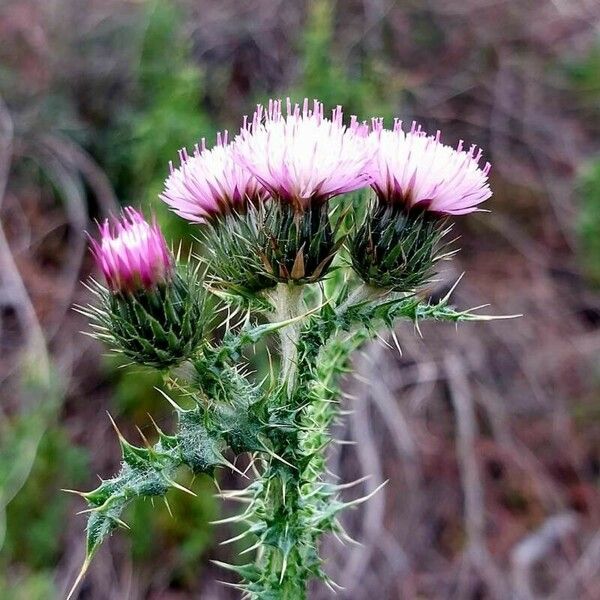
(284, 560)
(289, 304)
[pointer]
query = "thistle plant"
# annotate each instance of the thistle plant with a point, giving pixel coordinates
(284, 246)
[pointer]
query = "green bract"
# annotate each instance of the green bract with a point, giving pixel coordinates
(394, 248)
(158, 327)
(269, 244)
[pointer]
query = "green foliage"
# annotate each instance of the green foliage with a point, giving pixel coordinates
(147, 472)
(170, 85)
(38, 586)
(21, 434)
(584, 73)
(174, 533)
(367, 87)
(589, 222)
(165, 114)
(35, 524)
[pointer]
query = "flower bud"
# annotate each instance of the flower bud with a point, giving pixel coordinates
(152, 310)
(133, 254)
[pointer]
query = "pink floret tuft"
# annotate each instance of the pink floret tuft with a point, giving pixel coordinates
(301, 156)
(210, 183)
(132, 253)
(418, 170)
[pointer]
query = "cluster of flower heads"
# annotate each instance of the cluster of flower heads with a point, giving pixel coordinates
(301, 157)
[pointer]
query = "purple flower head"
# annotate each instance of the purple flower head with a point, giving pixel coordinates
(132, 253)
(417, 170)
(301, 156)
(210, 183)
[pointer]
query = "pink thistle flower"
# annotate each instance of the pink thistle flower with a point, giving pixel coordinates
(302, 156)
(210, 183)
(419, 171)
(132, 253)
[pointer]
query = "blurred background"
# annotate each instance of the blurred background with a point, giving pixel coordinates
(489, 433)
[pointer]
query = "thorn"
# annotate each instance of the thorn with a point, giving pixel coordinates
(418, 329)
(384, 341)
(119, 434)
(283, 568)
(479, 307)
(276, 456)
(76, 492)
(144, 438)
(333, 586)
(396, 342)
(158, 429)
(234, 519)
(345, 537)
(235, 499)
(180, 487)
(232, 493)
(235, 586)
(168, 506)
(365, 498)
(121, 523)
(169, 400)
(85, 511)
(236, 538)
(271, 369)
(80, 576)
(446, 298)
(254, 468)
(233, 467)
(250, 465)
(345, 486)
(497, 317)
(253, 547)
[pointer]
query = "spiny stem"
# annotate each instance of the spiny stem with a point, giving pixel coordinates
(283, 560)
